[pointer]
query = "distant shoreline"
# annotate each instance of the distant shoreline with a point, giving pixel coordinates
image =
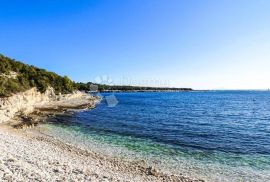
(118, 91)
(104, 91)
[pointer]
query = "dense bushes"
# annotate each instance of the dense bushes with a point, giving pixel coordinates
(28, 77)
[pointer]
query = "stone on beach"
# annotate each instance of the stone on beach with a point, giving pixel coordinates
(30, 156)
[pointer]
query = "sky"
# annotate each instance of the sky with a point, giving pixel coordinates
(200, 44)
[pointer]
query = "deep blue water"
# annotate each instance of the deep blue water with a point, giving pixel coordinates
(235, 124)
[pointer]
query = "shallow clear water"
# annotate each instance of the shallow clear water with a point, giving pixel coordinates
(217, 136)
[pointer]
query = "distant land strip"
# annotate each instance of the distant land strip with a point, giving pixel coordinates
(92, 87)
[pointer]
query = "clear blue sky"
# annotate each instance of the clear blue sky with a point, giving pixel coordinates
(217, 44)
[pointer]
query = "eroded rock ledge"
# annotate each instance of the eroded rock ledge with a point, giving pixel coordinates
(22, 105)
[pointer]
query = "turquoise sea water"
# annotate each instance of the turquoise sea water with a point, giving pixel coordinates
(216, 136)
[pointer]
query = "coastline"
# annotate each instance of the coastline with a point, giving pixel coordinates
(31, 155)
(59, 150)
(31, 107)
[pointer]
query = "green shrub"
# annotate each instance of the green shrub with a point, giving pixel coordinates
(30, 76)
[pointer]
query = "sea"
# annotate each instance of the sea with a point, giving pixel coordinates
(209, 135)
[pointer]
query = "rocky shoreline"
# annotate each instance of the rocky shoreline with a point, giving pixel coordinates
(29, 155)
(30, 107)
(43, 112)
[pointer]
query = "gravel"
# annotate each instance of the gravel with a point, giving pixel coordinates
(28, 156)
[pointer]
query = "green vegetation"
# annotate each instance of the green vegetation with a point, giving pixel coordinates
(28, 76)
(108, 88)
(17, 77)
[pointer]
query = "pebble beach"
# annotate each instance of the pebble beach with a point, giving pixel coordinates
(30, 156)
